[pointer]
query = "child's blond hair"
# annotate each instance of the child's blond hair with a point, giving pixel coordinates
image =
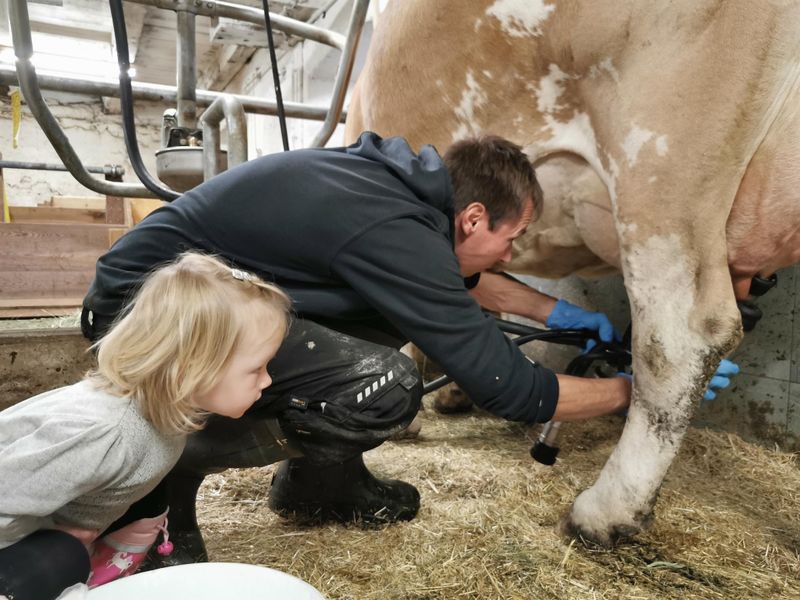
(177, 336)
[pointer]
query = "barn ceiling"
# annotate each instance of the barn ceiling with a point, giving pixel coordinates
(76, 37)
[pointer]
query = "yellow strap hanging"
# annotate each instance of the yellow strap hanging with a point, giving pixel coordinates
(6, 214)
(16, 114)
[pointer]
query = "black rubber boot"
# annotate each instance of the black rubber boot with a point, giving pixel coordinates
(184, 533)
(345, 493)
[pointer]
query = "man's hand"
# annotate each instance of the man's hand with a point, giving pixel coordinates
(568, 316)
(721, 379)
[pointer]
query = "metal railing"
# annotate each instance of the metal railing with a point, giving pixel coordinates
(31, 83)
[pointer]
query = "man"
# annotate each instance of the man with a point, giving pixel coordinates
(376, 246)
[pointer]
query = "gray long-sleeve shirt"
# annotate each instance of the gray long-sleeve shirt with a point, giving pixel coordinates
(77, 457)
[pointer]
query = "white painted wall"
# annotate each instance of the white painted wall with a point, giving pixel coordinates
(97, 138)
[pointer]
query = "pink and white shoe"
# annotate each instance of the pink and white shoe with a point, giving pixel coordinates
(120, 553)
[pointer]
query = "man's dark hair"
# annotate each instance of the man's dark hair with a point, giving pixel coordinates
(495, 172)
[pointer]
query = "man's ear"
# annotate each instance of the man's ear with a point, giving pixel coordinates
(470, 218)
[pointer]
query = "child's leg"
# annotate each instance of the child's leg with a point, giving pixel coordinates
(42, 565)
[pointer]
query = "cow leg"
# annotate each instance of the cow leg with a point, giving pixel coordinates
(685, 320)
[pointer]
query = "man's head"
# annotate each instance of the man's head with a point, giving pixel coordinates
(495, 195)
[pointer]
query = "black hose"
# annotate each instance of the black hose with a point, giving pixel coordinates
(613, 353)
(276, 79)
(126, 101)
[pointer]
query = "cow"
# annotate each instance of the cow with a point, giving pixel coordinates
(666, 137)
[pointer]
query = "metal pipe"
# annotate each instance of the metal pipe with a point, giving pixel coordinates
(187, 70)
(165, 93)
(110, 170)
(348, 57)
(231, 110)
(26, 74)
(214, 8)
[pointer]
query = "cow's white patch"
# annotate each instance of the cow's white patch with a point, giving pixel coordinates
(604, 66)
(661, 145)
(627, 228)
(637, 137)
(311, 345)
(577, 135)
(473, 97)
(671, 294)
(520, 18)
(550, 89)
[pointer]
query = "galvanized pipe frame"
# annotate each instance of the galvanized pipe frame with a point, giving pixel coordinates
(186, 51)
(230, 109)
(347, 44)
(216, 8)
(346, 61)
(28, 80)
(165, 93)
(26, 75)
(115, 171)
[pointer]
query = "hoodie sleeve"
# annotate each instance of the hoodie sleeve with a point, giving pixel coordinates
(408, 272)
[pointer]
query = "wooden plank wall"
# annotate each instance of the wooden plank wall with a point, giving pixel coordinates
(48, 252)
(48, 264)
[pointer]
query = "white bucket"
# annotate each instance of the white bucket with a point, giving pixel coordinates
(207, 581)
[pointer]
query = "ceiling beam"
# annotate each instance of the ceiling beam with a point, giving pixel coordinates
(135, 15)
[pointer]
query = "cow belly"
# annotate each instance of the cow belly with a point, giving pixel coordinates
(764, 225)
(575, 233)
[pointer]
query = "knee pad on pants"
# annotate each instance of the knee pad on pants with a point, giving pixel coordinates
(362, 415)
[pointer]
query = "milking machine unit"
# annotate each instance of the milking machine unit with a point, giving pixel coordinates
(612, 358)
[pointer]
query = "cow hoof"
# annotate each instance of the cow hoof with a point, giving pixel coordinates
(589, 523)
(451, 401)
(409, 433)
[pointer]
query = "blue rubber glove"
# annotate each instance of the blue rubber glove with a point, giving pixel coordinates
(569, 316)
(721, 379)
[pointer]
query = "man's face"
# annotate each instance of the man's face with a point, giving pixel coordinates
(478, 247)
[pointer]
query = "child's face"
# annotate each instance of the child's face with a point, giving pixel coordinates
(246, 375)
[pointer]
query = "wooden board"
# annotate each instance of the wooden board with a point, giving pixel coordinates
(51, 214)
(141, 207)
(90, 202)
(32, 312)
(48, 263)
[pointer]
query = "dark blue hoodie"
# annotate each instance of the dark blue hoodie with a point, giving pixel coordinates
(349, 233)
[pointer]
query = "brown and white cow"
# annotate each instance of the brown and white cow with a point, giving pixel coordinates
(666, 136)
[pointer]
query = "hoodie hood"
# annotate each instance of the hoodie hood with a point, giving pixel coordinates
(424, 173)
